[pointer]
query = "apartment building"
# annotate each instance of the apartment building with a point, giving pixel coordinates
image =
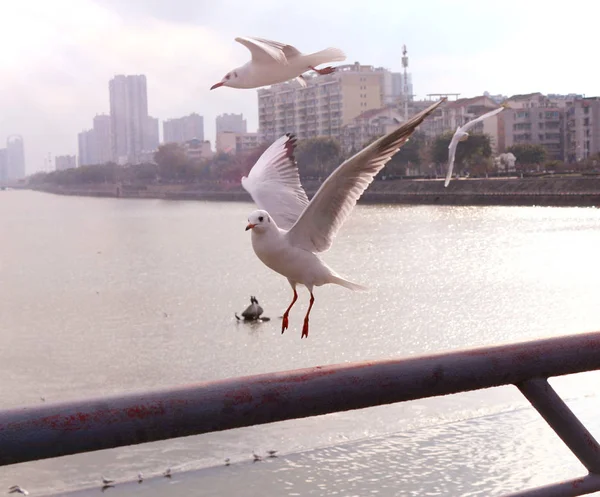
(535, 119)
(183, 129)
(582, 130)
(232, 123)
(198, 150)
(324, 106)
(234, 143)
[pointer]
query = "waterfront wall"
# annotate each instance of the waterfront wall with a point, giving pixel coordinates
(556, 191)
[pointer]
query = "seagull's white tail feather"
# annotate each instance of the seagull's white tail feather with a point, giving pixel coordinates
(347, 284)
(326, 56)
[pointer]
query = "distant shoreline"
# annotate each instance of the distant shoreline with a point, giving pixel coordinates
(546, 191)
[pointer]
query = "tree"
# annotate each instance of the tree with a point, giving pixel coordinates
(317, 157)
(528, 154)
(472, 153)
(173, 162)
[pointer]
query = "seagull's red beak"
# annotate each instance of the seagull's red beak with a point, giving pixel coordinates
(220, 83)
(250, 226)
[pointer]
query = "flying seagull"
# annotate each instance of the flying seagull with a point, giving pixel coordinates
(273, 62)
(460, 136)
(288, 230)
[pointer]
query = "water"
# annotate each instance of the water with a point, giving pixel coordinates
(104, 296)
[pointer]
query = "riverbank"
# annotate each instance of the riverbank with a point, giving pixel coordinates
(546, 191)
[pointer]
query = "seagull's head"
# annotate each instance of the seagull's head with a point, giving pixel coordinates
(230, 79)
(259, 221)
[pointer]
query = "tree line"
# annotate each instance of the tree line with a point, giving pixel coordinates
(316, 159)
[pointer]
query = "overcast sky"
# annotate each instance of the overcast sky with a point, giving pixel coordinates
(58, 55)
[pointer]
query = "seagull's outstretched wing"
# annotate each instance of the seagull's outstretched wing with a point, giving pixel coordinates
(288, 50)
(318, 224)
(452, 153)
(264, 51)
(472, 123)
(274, 183)
(460, 132)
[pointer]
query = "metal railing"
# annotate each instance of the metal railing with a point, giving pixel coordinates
(40, 432)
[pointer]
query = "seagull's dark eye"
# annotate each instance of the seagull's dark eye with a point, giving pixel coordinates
(227, 76)
(260, 219)
(235, 73)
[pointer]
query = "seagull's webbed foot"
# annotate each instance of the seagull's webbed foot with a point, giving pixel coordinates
(305, 327)
(324, 71)
(285, 323)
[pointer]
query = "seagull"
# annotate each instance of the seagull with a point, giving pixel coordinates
(256, 457)
(460, 136)
(140, 478)
(167, 473)
(16, 489)
(273, 62)
(288, 230)
(272, 453)
(106, 481)
(227, 461)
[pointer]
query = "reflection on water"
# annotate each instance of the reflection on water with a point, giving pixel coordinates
(101, 296)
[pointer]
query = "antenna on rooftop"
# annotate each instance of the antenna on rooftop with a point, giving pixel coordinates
(405, 80)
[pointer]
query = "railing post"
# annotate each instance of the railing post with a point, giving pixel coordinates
(562, 420)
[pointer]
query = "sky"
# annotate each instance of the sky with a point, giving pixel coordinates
(58, 56)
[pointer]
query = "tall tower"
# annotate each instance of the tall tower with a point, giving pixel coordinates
(129, 117)
(405, 80)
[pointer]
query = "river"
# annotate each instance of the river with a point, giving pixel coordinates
(104, 296)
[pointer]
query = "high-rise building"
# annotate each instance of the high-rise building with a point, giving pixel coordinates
(62, 162)
(102, 139)
(3, 165)
(183, 129)
(129, 117)
(322, 107)
(87, 147)
(15, 157)
(151, 135)
(232, 123)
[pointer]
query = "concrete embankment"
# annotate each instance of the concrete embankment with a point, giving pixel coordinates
(549, 191)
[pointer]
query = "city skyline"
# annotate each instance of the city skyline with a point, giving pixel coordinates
(53, 78)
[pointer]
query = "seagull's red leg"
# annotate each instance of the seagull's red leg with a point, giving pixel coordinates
(305, 327)
(284, 324)
(324, 71)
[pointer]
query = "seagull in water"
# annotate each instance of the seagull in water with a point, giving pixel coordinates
(107, 481)
(288, 230)
(460, 136)
(273, 62)
(16, 489)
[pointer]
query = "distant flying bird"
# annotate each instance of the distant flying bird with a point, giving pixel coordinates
(256, 457)
(288, 230)
(273, 62)
(460, 136)
(272, 453)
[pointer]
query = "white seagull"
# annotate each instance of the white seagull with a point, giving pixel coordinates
(288, 230)
(107, 481)
(460, 136)
(16, 489)
(273, 62)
